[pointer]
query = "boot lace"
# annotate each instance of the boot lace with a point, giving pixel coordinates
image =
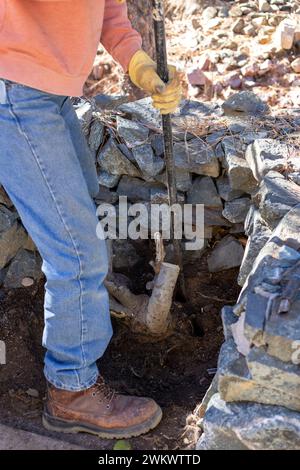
(103, 389)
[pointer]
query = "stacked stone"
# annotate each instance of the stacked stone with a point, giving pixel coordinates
(254, 400)
(215, 149)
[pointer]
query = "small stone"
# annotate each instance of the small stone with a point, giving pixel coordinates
(27, 281)
(203, 191)
(223, 11)
(238, 26)
(113, 161)
(132, 132)
(149, 164)
(108, 180)
(235, 11)
(285, 34)
(32, 392)
(227, 254)
(209, 13)
(296, 65)
(235, 211)
(249, 30)
(246, 103)
(263, 6)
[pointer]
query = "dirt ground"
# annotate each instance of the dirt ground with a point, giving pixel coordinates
(176, 372)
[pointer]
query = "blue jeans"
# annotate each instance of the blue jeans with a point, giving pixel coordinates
(49, 174)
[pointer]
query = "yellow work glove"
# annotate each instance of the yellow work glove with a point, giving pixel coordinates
(142, 72)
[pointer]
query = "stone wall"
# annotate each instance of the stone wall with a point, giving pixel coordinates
(242, 163)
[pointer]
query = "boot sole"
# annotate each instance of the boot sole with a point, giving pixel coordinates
(74, 427)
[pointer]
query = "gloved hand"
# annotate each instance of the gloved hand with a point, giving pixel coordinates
(142, 72)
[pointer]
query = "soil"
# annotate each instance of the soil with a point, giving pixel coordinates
(176, 372)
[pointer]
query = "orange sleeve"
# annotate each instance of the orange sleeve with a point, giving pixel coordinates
(118, 36)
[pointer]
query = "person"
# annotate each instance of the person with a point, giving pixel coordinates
(47, 48)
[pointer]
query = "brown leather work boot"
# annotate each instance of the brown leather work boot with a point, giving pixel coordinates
(100, 410)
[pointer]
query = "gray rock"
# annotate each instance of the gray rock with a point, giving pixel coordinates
(245, 102)
(4, 199)
(249, 137)
(125, 256)
(138, 190)
(278, 333)
(11, 241)
(157, 142)
(96, 134)
(127, 152)
(266, 155)
(235, 211)
(109, 102)
(196, 157)
(25, 265)
(183, 179)
(149, 164)
(239, 173)
(227, 254)
(216, 137)
(108, 180)
(232, 426)
(228, 318)
(237, 228)
(275, 197)
(269, 371)
(7, 218)
(105, 195)
(236, 384)
(134, 188)
(204, 191)
(132, 132)
(159, 195)
(258, 237)
(84, 112)
(143, 111)
(112, 160)
(225, 190)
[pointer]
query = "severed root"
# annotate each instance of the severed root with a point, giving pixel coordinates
(148, 315)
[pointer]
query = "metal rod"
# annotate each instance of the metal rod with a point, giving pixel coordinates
(163, 72)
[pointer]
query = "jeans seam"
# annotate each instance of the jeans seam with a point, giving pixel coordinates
(59, 384)
(23, 132)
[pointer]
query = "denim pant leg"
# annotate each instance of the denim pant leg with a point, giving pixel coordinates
(83, 152)
(41, 172)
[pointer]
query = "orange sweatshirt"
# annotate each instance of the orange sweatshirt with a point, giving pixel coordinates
(51, 44)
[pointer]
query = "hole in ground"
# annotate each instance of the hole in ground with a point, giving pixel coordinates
(175, 372)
